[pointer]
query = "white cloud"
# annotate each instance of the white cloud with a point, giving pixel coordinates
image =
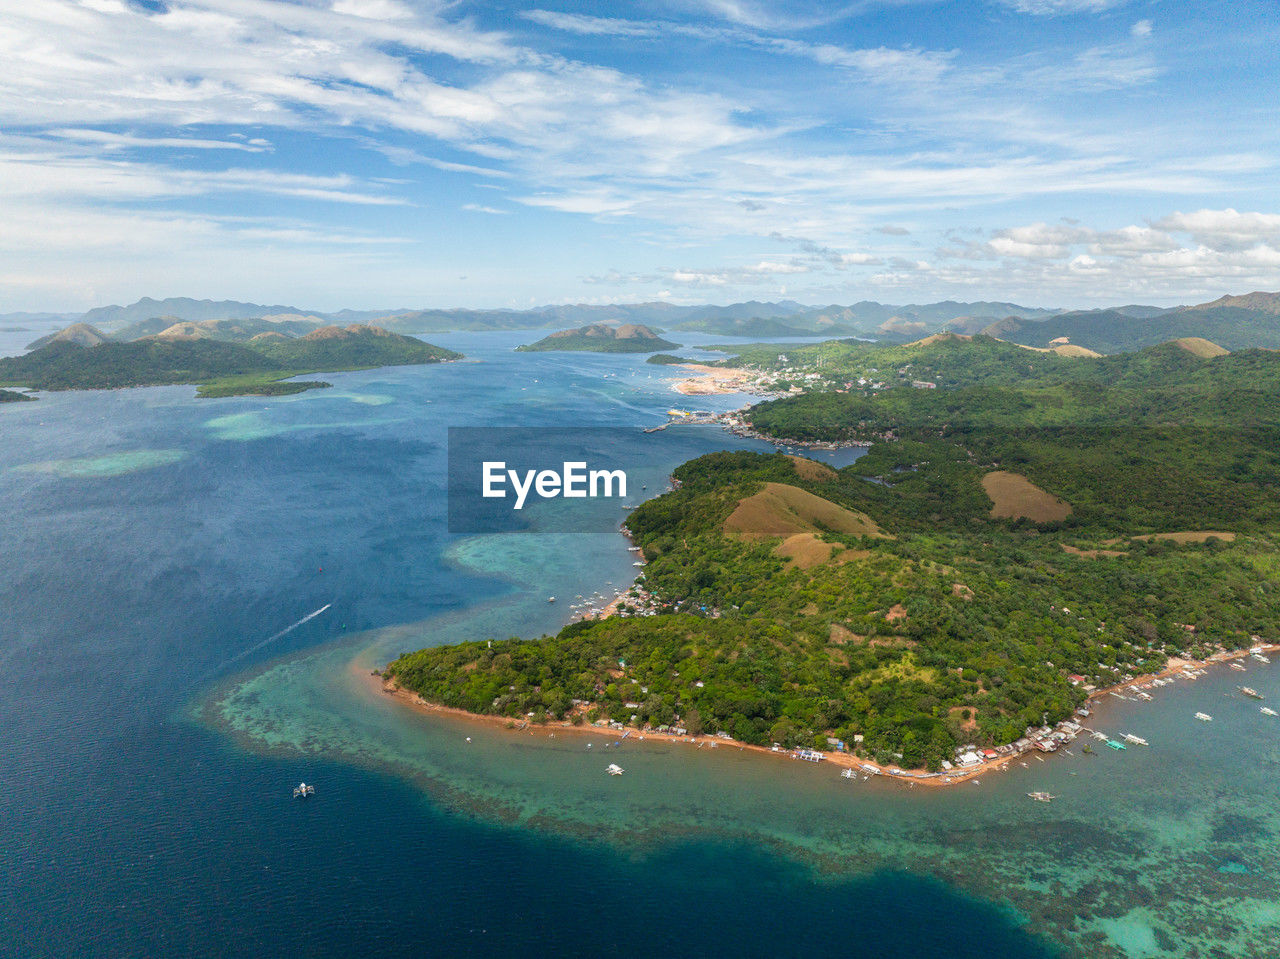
(1141, 29)
(1224, 228)
(1060, 7)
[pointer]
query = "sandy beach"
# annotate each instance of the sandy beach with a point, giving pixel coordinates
(914, 777)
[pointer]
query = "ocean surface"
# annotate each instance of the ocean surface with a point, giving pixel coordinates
(165, 690)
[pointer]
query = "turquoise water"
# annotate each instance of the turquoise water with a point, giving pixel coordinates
(161, 710)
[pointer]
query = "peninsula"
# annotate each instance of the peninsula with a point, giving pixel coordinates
(603, 338)
(1002, 550)
(83, 358)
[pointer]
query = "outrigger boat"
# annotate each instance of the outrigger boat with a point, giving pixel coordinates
(613, 769)
(302, 791)
(1204, 717)
(1115, 745)
(1268, 711)
(1039, 796)
(1136, 740)
(1251, 693)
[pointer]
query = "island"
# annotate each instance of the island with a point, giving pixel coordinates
(83, 358)
(603, 338)
(10, 396)
(1024, 531)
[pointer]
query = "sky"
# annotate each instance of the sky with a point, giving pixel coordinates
(406, 153)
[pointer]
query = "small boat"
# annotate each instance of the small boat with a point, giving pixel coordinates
(848, 774)
(1039, 796)
(1136, 740)
(1237, 666)
(1204, 717)
(1260, 658)
(302, 791)
(1268, 711)
(1100, 737)
(613, 769)
(1115, 745)
(551, 599)
(1251, 693)
(1147, 697)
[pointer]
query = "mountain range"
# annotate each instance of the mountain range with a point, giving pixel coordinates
(1236, 322)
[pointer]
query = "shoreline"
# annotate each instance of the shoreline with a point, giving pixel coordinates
(713, 381)
(1174, 669)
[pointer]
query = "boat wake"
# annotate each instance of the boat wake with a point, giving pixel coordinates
(271, 639)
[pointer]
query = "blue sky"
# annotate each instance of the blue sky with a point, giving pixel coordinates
(388, 153)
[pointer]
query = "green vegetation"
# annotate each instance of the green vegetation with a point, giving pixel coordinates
(224, 369)
(9, 396)
(600, 338)
(940, 624)
(666, 359)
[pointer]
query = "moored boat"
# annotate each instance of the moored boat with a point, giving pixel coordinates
(1040, 796)
(1136, 740)
(1251, 693)
(1204, 717)
(613, 769)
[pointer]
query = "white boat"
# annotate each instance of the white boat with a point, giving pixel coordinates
(1250, 692)
(1268, 711)
(1042, 796)
(1260, 658)
(613, 769)
(1238, 667)
(848, 774)
(1137, 740)
(302, 791)
(551, 599)
(1204, 717)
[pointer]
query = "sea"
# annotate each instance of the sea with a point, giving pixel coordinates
(194, 595)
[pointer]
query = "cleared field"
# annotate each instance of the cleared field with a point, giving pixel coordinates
(1201, 347)
(1013, 496)
(1062, 349)
(940, 338)
(812, 470)
(781, 510)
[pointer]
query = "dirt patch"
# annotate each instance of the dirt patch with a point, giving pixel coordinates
(812, 470)
(896, 613)
(781, 510)
(957, 715)
(1191, 536)
(961, 590)
(1092, 553)
(840, 635)
(805, 550)
(1013, 496)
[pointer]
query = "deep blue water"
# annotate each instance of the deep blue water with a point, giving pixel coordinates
(148, 540)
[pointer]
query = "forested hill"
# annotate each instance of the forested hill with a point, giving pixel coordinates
(223, 368)
(941, 589)
(603, 338)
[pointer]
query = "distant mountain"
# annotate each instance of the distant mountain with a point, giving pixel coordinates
(602, 338)
(1232, 323)
(223, 368)
(183, 308)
